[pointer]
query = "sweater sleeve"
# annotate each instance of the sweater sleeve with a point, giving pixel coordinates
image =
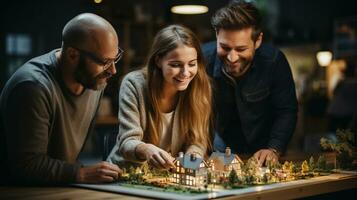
(130, 129)
(27, 124)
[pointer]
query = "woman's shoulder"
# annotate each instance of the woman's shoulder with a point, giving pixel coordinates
(135, 77)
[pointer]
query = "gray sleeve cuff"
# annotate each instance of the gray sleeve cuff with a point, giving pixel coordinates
(277, 145)
(70, 172)
(128, 150)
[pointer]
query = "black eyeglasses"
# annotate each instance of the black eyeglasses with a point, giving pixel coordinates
(106, 63)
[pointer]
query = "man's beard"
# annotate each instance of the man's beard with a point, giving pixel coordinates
(243, 67)
(83, 76)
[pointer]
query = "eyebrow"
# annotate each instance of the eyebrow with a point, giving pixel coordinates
(225, 45)
(108, 59)
(181, 61)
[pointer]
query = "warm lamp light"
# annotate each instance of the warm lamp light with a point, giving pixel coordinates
(324, 58)
(189, 9)
(98, 1)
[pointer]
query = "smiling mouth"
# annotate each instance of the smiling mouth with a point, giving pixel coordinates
(231, 63)
(181, 80)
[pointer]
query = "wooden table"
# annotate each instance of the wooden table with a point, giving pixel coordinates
(49, 193)
(52, 193)
(329, 189)
(310, 189)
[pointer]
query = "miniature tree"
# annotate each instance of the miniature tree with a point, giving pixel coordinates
(249, 179)
(312, 163)
(124, 171)
(304, 168)
(138, 170)
(291, 167)
(232, 178)
(294, 168)
(286, 166)
(266, 178)
(345, 147)
(321, 163)
(270, 165)
(277, 165)
(135, 175)
(251, 171)
(160, 172)
(131, 171)
(145, 168)
(288, 169)
(225, 183)
(253, 165)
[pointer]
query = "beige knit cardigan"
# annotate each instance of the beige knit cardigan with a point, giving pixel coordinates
(132, 123)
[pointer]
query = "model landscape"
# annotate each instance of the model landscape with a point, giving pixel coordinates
(226, 170)
(220, 171)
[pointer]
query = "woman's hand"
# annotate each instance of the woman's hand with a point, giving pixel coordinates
(155, 156)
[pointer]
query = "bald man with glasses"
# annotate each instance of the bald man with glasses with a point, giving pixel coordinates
(47, 107)
(106, 63)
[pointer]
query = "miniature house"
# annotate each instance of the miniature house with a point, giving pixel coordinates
(221, 164)
(190, 170)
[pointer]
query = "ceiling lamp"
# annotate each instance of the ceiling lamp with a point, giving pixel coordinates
(324, 58)
(189, 9)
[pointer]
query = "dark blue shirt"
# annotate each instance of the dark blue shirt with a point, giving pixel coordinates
(260, 109)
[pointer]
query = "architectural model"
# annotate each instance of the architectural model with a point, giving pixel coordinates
(225, 174)
(220, 171)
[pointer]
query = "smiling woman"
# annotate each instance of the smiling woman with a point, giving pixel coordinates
(178, 67)
(165, 107)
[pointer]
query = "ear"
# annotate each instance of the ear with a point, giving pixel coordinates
(72, 55)
(158, 62)
(259, 41)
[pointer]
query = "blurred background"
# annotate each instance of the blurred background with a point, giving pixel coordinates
(318, 37)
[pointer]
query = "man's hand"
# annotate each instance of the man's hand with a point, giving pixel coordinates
(264, 155)
(155, 156)
(99, 173)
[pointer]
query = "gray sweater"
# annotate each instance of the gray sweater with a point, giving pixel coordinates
(132, 123)
(43, 125)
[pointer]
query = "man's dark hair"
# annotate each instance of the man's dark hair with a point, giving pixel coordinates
(238, 15)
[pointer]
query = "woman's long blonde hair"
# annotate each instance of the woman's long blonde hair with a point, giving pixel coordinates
(194, 103)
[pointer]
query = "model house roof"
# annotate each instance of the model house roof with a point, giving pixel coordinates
(190, 161)
(225, 158)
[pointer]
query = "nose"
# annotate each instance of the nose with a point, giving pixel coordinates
(112, 69)
(232, 56)
(185, 71)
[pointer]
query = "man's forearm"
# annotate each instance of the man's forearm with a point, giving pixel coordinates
(41, 169)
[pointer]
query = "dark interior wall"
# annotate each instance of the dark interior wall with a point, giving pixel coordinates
(306, 21)
(42, 19)
(297, 21)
